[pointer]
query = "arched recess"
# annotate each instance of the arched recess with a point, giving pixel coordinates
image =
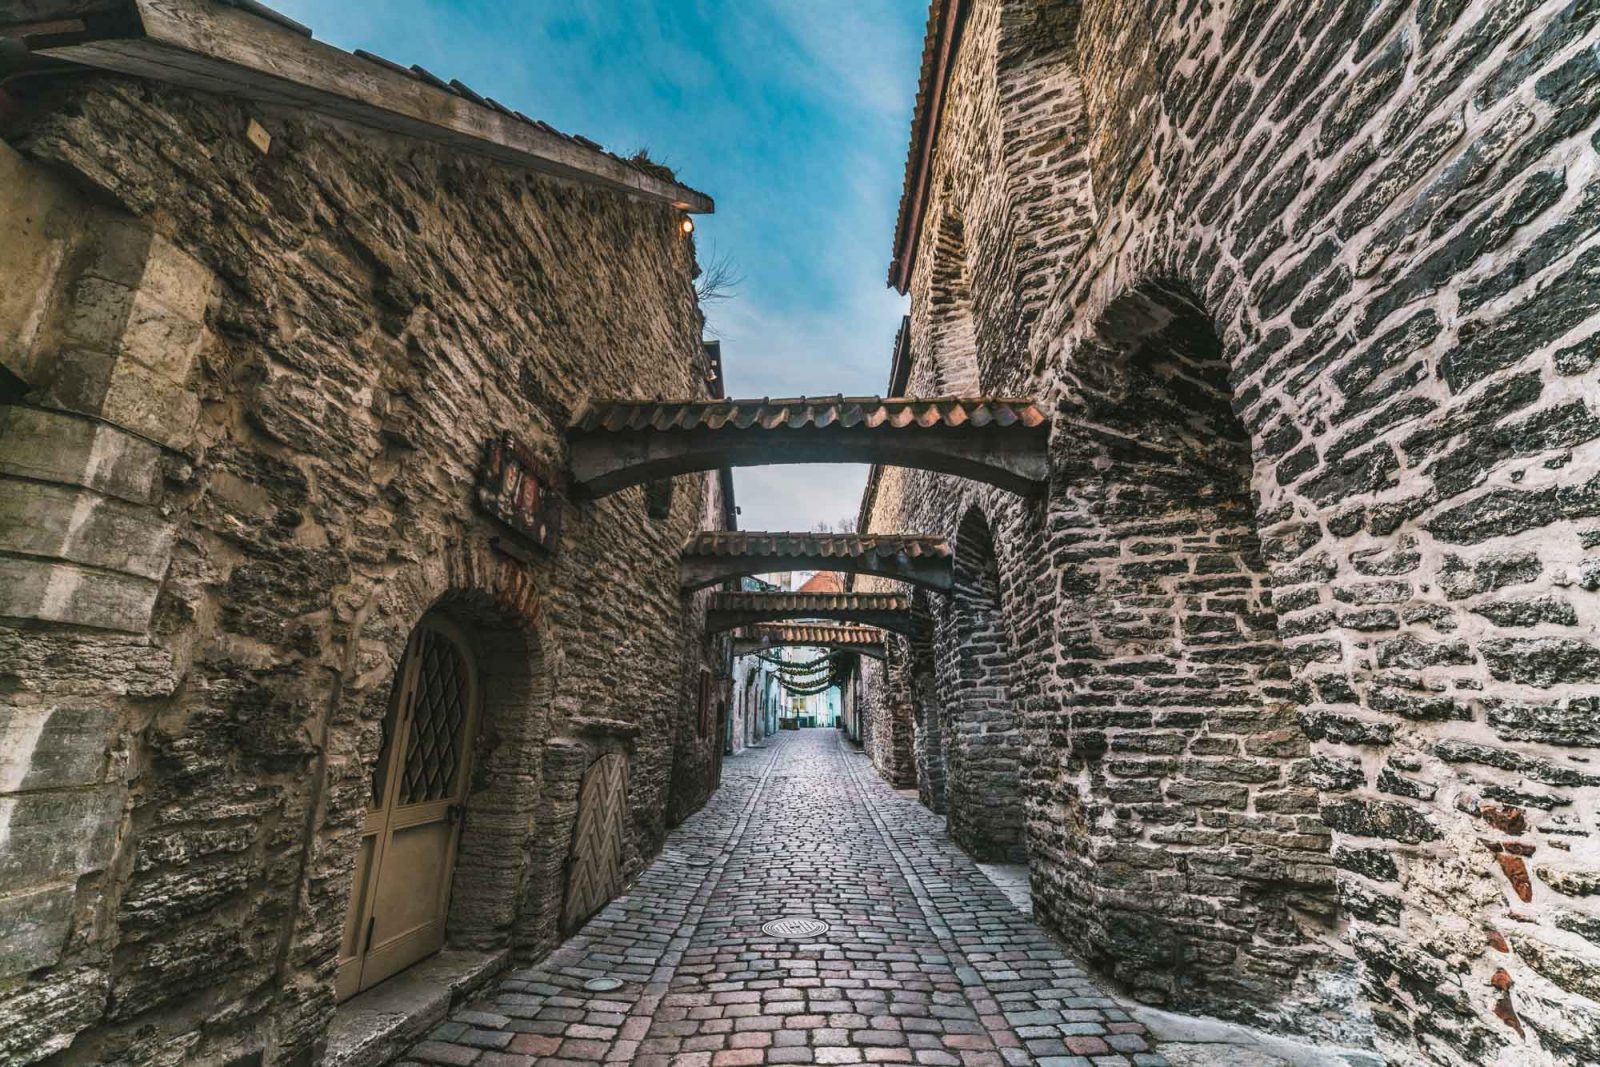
(927, 735)
(952, 336)
(982, 735)
(458, 731)
(1187, 855)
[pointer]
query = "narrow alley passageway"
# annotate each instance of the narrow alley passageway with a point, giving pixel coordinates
(923, 959)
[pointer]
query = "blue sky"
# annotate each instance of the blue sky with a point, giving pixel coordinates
(793, 114)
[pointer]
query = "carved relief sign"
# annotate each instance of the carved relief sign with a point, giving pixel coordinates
(515, 487)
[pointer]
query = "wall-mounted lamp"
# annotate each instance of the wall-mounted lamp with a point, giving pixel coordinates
(686, 225)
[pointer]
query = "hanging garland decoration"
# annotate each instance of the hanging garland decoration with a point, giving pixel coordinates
(808, 691)
(809, 686)
(784, 664)
(823, 680)
(818, 680)
(823, 669)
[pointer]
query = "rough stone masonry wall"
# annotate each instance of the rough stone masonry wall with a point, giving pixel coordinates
(245, 398)
(883, 694)
(1386, 214)
(979, 724)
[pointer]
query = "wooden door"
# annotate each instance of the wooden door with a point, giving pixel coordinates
(594, 868)
(408, 845)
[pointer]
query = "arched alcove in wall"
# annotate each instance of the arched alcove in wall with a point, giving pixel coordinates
(444, 843)
(981, 728)
(951, 336)
(1194, 867)
(927, 734)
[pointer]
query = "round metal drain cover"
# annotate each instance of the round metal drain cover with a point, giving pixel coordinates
(795, 926)
(602, 985)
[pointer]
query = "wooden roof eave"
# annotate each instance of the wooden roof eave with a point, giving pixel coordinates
(222, 49)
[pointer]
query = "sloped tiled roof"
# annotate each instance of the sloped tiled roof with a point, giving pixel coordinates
(823, 582)
(939, 44)
(818, 634)
(718, 543)
(621, 416)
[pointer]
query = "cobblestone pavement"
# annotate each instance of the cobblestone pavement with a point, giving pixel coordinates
(924, 961)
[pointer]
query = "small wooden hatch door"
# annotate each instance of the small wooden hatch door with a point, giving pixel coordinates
(407, 854)
(594, 868)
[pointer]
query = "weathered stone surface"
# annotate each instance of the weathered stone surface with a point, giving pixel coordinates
(64, 593)
(83, 527)
(55, 447)
(33, 925)
(53, 746)
(53, 837)
(43, 1016)
(1574, 722)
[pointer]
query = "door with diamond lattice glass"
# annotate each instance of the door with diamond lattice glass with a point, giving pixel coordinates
(408, 843)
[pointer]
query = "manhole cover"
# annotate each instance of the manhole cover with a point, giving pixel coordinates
(795, 927)
(602, 985)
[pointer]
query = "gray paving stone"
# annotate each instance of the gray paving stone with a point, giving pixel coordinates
(924, 960)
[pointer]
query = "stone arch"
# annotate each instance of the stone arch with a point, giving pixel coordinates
(982, 729)
(493, 601)
(1195, 867)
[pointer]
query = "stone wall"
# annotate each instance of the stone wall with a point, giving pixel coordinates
(978, 721)
(245, 399)
(881, 695)
(1304, 628)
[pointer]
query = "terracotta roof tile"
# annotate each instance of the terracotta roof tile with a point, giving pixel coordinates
(458, 88)
(719, 543)
(813, 634)
(802, 601)
(940, 41)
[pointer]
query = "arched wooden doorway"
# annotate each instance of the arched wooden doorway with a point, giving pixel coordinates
(406, 859)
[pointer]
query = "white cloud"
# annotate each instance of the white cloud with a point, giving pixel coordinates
(797, 497)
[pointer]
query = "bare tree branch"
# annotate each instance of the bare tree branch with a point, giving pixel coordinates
(719, 279)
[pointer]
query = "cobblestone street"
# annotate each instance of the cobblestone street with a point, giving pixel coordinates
(924, 960)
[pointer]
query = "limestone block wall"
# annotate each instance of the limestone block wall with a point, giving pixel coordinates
(244, 398)
(1305, 691)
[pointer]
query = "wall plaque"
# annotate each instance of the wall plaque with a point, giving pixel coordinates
(518, 489)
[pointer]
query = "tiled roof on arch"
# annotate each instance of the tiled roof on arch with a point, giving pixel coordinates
(819, 634)
(802, 601)
(621, 416)
(824, 545)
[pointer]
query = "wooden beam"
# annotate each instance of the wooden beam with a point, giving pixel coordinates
(225, 50)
